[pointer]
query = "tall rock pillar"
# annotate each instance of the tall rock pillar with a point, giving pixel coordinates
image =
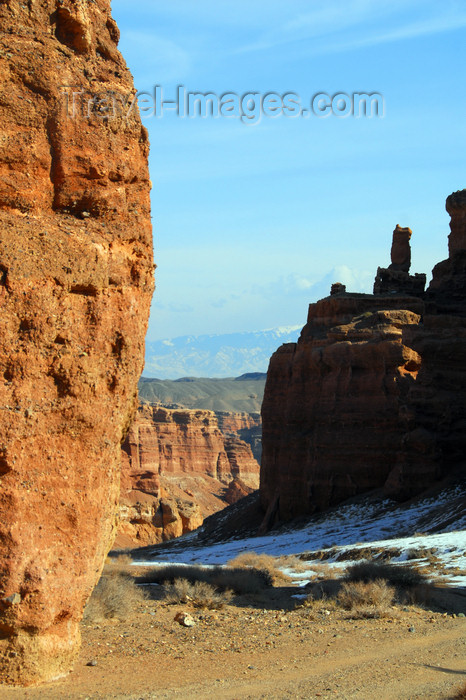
(75, 287)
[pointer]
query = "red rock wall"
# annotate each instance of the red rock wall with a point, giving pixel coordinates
(246, 426)
(176, 467)
(236, 422)
(75, 287)
(372, 395)
(331, 418)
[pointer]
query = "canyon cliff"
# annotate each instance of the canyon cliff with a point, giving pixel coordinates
(373, 393)
(246, 426)
(176, 467)
(76, 280)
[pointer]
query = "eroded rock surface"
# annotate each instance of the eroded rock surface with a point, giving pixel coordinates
(177, 465)
(75, 287)
(373, 393)
(400, 253)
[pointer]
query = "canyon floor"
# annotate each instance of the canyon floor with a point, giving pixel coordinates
(254, 652)
(272, 644)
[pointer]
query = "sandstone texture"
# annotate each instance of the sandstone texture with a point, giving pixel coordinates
(76, 279)
(176, 467)
(373, 393)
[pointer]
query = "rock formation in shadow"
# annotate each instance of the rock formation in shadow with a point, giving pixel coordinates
(374, 392)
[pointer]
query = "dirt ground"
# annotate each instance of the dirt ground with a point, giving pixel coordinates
(248, 651)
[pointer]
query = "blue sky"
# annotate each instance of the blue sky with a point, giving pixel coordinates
(250, 221)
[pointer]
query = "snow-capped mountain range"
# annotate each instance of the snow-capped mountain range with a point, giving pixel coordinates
(223, 355)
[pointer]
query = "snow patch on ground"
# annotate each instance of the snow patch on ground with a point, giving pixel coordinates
(380, 525)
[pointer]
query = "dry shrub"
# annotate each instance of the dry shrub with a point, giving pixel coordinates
(401, 576)
(223, 578)
(366, 600)
(318, 608)
(291, 561)
(356, 594)
(199, 594)
(243, 580)
(115, 596)
(328, 588)
(417, 595)
(410, 584)
(362, 600)
(260, 562)
(325, 571)
(120, 564)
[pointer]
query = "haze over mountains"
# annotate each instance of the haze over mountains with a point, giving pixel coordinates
(240, 394)
(222, 355)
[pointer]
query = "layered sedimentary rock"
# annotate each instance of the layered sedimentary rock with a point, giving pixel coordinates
(247, 426)
(75, 287)
(373, 393)
(176, 467)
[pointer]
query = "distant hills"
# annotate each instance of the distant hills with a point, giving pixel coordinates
(222, 355)
(244, 393)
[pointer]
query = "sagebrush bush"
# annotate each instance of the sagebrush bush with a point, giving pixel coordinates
(223, 578)
(358, 594)
(115, 596)
(325, 571)
(260, 562)
(199, 594)
(400, 576)
(411, 586)
(291, 561)
(361, 600)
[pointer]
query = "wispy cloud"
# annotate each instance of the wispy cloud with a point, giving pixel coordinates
(334, 27)
(410, 31)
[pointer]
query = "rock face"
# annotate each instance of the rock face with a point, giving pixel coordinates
(176, 467)
(246, 426)
(401, 250)
(236, 490)
(373, 393)
(75, 287)
(396, 278)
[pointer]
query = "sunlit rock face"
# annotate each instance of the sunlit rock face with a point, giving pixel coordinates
(76, 279)
(176, 469)
(373, 394)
